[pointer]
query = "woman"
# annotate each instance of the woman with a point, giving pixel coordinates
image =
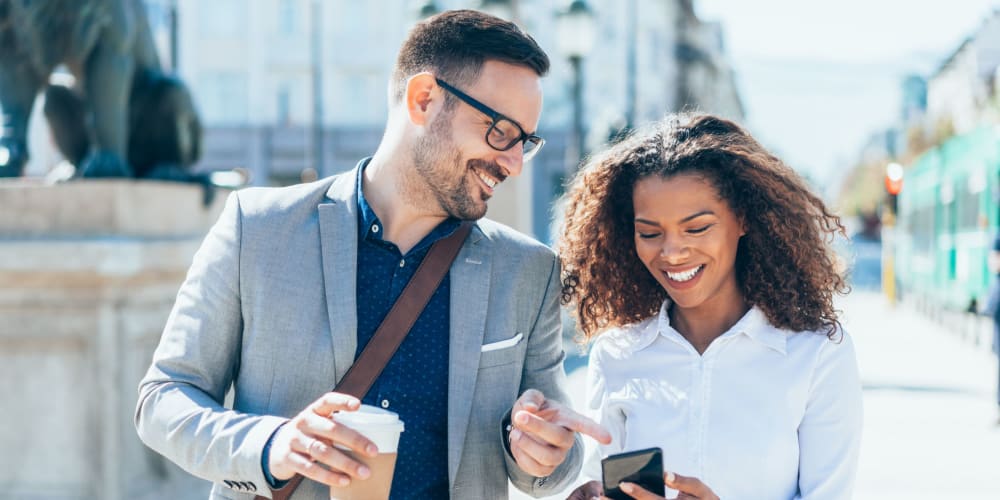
(699, 265)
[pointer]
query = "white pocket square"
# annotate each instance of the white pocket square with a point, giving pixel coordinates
(503, 344)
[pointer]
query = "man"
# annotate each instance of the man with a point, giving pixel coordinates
(291, 283)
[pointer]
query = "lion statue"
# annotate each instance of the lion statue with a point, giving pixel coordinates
(123, 117)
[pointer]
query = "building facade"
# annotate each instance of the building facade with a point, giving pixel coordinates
(291, 89)
(959, 92)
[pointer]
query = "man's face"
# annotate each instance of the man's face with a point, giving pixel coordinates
(454, 160)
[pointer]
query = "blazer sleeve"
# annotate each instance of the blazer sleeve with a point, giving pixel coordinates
(543, 371)
(830, 431)
(180, 411)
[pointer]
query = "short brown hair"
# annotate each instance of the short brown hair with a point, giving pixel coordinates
(784, 262)
(454, 45)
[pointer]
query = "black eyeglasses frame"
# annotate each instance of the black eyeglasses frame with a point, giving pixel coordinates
(497, 117)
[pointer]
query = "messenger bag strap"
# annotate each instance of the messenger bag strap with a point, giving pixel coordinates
(394, 328)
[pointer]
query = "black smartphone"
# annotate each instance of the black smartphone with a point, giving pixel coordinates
(642, 467)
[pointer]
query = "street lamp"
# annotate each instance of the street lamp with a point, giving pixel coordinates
(427, 9)
(575, 31)
(318, 162)
(498, 8)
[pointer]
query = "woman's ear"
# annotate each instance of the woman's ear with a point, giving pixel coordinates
(423, 98)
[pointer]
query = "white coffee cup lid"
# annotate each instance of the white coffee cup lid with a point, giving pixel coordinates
(380, 426)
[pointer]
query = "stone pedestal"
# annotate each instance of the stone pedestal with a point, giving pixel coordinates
(88, 274)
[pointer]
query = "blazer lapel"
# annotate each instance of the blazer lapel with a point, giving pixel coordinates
(470, 287)
(338, 228)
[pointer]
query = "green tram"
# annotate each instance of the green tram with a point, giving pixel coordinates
(948, 216)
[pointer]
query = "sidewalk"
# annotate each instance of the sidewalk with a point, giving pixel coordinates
(930, 406)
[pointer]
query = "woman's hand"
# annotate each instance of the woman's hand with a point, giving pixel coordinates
(690, 488)
(587, 491)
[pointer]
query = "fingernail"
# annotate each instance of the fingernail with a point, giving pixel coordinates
(344, 481)
(364, 472)
(626, 487)
(372, 450)
(521, 418)
(515, 434)
(671, 477)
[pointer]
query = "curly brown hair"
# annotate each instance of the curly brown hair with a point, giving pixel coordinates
(784, 264)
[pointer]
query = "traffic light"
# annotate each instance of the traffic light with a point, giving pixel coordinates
(893, 184)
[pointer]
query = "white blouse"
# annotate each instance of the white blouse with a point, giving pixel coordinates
(763, 414)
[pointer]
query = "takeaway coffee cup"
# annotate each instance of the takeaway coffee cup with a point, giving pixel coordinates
(382, 427)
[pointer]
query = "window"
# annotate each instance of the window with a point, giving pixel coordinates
(284, 105)
(968, 211)
(222, 97)
(358, 98)
(222, 18)
(287, 14)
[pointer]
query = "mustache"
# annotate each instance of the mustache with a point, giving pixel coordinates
(488, 167)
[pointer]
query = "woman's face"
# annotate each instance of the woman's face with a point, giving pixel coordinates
(687, 236)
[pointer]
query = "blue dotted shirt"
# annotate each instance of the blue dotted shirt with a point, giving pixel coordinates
(415, 382)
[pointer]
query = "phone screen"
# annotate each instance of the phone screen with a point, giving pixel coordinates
(642, 467)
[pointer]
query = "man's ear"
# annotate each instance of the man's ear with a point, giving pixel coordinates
(423, 98)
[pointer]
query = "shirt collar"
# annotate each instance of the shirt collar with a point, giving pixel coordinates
(367, 216)
(753, 324)
(370, 227)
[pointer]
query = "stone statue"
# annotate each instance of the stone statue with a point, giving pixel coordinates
(122, 118)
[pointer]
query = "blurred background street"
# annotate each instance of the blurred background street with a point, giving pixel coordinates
(890, 109)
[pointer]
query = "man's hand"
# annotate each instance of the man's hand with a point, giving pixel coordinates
(309, 438)
(543, 433)
(689, 488)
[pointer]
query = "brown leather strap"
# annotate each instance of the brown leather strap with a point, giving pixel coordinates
(404, 313)
(394, 328)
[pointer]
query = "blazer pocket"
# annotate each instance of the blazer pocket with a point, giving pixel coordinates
(502, 352)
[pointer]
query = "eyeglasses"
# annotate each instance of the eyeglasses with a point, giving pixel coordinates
(504, 133)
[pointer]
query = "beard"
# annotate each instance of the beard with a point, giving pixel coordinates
(452, 184)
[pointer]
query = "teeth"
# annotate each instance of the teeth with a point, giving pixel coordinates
(684, 276)
(487, 179)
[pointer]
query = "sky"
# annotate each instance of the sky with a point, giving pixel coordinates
(817, 78)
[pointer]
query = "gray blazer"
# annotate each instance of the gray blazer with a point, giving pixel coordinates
(268, 309)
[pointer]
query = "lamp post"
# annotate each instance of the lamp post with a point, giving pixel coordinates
(575, 31)
(499, 8)
(893, 185)
(427, 9)
(318, 162)
(630, 66)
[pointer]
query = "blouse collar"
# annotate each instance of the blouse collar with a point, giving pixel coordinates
(754, 325)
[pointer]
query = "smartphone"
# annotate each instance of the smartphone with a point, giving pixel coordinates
(642, 467)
